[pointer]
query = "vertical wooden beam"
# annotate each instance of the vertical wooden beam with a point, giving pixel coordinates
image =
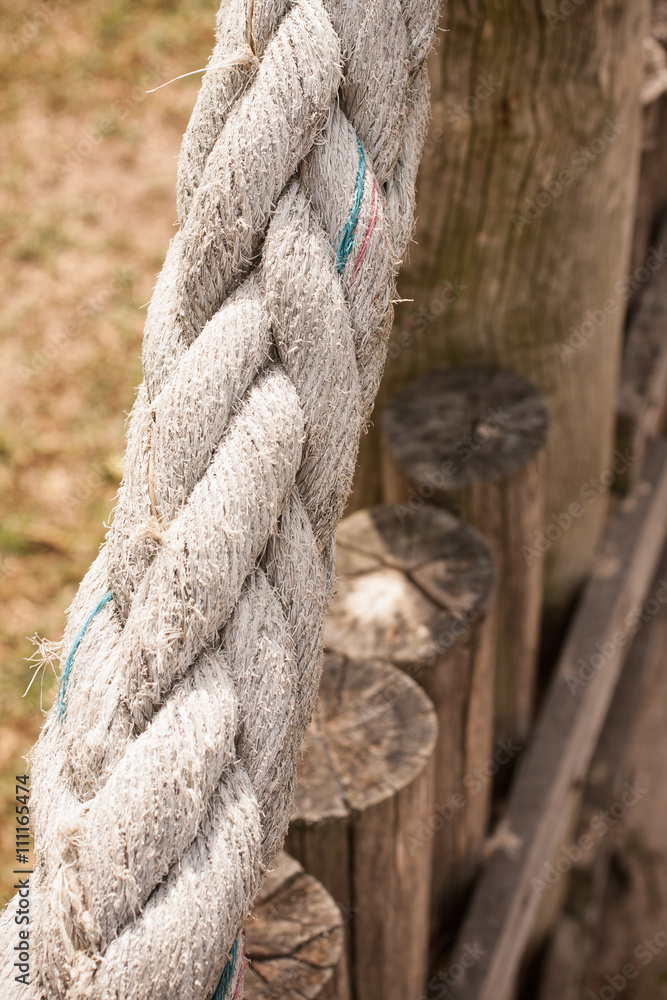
(473, 438)
(294, 940)
(525, 208)
(415, 589)
(365, 785)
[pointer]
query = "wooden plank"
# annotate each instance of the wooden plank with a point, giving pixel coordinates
(642, 392)
(608, 776)
(503, 908)
(608, 770)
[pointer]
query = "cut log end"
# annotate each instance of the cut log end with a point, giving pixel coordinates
(412, 585)
(294, 938)
(458, 426)
(364, 791)
(372, 733)
(474, 439)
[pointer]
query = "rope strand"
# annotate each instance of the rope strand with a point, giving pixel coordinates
(163, 778)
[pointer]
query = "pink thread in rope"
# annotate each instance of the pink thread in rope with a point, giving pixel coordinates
(369, 233)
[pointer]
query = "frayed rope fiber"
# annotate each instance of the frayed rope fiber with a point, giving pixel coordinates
(164, 775)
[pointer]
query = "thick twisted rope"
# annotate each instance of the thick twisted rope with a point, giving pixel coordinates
(163, 778)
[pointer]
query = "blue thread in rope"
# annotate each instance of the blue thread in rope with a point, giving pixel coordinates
(227, 973)
(345, 242)
(69, 662)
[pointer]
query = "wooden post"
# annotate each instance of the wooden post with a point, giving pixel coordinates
(294, 940)
(364, 788)
(473, 438)
(525, 206)
(414, 590)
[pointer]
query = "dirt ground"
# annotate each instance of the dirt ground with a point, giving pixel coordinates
(87, 205)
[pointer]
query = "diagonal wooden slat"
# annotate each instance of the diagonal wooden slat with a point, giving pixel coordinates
(501, 914)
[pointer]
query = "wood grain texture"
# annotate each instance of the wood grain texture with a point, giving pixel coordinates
(474, 439)
(652, 195)
(294, 940)
(415, 588)
(364, 786)
(506, 899)
(467, 424)
(609, 775)
(519, 97)
(642, 395)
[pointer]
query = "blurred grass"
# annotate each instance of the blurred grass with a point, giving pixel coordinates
(87, 206)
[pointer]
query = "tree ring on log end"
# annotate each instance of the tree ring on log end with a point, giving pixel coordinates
(373, 732)
(294, 938)
(462, 425)
(412, 585)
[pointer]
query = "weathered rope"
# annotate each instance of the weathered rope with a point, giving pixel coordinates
(163, 791)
